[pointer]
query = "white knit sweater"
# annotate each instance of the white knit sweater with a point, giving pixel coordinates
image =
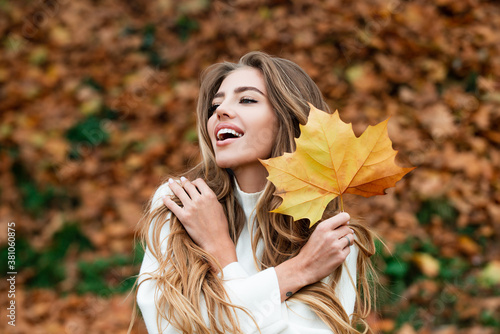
(257, 291)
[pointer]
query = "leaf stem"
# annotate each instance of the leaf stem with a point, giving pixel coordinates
(341, 204)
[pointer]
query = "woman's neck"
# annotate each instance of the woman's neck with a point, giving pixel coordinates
(251, 179)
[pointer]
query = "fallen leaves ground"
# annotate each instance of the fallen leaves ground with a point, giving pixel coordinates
(96, 107)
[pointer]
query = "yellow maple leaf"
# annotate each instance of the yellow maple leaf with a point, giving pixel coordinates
(330, 161)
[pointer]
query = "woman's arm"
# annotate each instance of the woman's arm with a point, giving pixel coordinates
(326, 249)
(258, 293)
(262, 293)
(203, 217)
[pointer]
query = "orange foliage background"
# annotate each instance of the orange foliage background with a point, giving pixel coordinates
(97, 106)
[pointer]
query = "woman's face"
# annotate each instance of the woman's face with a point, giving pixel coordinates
(242, 125)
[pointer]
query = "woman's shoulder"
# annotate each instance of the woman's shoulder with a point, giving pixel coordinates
(157, 202)
(161, 191)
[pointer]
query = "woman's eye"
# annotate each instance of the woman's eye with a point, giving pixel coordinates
(212, 109)
(248, 100)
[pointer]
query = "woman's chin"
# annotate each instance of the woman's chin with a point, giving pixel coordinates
(223, 163)
(231, 163)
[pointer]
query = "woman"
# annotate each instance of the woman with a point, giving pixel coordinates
(217, 260)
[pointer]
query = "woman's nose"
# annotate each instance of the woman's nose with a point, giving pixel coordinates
(224, 110)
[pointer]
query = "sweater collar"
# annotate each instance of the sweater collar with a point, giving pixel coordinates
(248, 201)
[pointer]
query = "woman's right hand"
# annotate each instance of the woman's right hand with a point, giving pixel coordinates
(326, 249)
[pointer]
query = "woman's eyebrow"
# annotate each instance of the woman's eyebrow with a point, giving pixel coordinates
(240, 90)
(245, 88)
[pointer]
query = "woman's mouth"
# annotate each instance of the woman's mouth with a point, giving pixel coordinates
(225, 133)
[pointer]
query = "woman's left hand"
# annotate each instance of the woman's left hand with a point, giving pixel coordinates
(203, 218)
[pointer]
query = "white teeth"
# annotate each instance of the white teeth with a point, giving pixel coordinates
(226, 130)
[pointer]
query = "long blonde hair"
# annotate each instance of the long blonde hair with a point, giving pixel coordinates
(184, 272)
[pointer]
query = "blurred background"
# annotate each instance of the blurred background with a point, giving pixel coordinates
(97, 104)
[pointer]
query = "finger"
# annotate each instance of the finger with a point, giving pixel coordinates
(339, 232)
(342, 232)
(172, 206)
(350, 236)
(345, 230)
(190, 188)
(346, 251)
(179, 191)
(202, 186)
(337, 220)
(348, 240)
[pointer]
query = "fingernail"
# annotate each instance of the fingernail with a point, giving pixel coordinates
(170, 180)
(352, 230)
(347, 222)
(183, 179)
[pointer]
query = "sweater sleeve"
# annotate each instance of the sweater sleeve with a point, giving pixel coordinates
(258, 294)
